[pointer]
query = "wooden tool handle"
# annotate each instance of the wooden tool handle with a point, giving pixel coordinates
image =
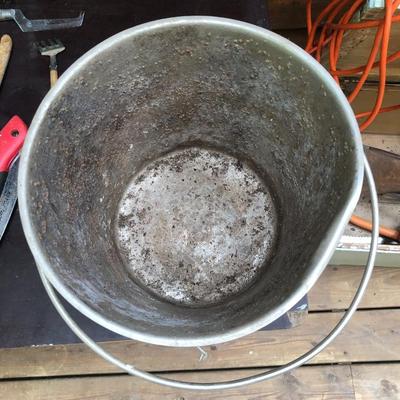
(5, 51)
(53, 77)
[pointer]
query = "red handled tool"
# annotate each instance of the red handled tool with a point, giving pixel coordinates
(12, 138)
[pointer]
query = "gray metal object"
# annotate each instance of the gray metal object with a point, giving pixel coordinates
(373, 9)
(50, 48)
(385, 166)
(272, 373)
(196, 83)
(36, 25)
(353, 247)
(8, 197)
(387, 255)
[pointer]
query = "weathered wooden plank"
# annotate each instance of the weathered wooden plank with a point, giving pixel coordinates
(371, 336)
(297, 36)
(338, 382)
(322, 382)
(384, 142)
(337, 285)
(357, 47)
(379, 381)
(291, 14)
(385, 123)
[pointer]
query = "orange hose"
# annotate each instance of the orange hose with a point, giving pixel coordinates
(382, 110)
(346, 72)
(383, 231)
(331, 36)
(340, 33)
(382, 66)
(314, 49)
(362, 25)
(337, 38)
(308, 16)
(368, 67)
(317, 22)
(330, 18)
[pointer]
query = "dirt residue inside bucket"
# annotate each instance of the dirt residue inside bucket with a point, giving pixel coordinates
(196, 226)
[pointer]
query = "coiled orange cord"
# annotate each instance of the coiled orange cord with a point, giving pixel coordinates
(331, 25)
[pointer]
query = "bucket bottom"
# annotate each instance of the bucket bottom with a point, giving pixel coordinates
(196, 226)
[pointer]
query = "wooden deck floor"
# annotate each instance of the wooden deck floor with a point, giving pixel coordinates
(362, 363)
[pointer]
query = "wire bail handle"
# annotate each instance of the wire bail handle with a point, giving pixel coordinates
(132, 370)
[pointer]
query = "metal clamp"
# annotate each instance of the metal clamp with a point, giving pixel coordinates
(130, 369)
(36, 25)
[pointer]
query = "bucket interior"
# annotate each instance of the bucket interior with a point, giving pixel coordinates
(182, 178)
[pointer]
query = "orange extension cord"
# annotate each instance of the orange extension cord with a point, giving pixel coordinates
(327, 33)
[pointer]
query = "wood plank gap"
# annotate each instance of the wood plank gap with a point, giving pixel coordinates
(185, 371)
(341, 310)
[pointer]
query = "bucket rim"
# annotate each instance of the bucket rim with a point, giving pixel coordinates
(318, 261)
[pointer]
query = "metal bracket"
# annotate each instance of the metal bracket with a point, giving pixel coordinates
(36, 25)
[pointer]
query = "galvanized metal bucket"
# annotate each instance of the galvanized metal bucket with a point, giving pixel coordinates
(186, 181)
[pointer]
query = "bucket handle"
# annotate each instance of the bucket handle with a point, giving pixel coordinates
(132, 370)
